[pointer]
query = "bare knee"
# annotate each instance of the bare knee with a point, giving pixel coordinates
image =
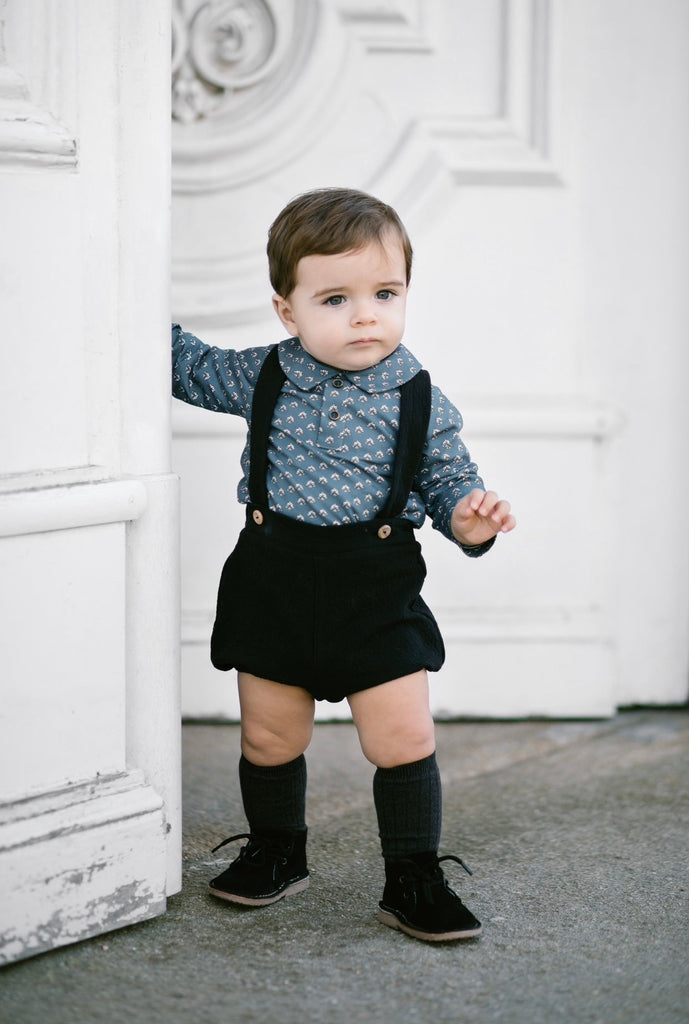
(403, 746)
(266, 747)
(277, 720)
(394, 721)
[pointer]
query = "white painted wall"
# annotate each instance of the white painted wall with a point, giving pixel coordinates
(90, 822)
(538, 151)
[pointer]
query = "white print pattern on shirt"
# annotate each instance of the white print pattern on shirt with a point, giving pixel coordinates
(321, 433)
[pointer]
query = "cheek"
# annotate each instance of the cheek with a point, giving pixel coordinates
(326, 321)
(397, 320)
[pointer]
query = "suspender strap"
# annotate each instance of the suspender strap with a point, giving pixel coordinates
(268, 387)
(415, 412)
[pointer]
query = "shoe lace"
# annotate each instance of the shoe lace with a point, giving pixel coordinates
(258, 849)
(458, 860)
(428, 877)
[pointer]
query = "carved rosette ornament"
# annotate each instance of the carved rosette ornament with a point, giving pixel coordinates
(251, 82)
(221, 49)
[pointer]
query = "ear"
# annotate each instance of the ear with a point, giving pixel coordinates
(284, 311)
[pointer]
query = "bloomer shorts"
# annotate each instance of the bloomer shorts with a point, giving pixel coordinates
(333, 609)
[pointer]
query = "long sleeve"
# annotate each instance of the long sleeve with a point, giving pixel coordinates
(218, 379)
(446, 472)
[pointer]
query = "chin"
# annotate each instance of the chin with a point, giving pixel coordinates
(363, 363)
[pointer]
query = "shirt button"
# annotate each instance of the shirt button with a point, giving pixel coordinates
(334, 414)
(337, 382)
(257, 516)
(384, 531)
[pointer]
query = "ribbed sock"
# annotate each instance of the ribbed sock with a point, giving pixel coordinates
(408, 802)
(274, 797)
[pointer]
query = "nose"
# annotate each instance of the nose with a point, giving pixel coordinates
(364, 313)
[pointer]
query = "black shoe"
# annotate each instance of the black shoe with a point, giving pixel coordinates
(270, 866)
(418, 900)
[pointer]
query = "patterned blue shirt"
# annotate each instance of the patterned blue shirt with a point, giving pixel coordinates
(333, 436)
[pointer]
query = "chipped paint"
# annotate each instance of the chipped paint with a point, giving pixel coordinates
(107, 861)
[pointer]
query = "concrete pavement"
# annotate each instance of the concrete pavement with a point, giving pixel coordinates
(577, 835)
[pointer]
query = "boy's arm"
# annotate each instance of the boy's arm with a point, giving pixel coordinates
(218, 379)
(452, 490)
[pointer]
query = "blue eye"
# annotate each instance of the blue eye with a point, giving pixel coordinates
(335, 300)
(385, 294)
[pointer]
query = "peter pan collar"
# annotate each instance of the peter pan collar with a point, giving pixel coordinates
(306, 372)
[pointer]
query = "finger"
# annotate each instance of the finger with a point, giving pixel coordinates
(488, 502)
(476, 499)
(508, 524)
(500, 511)
(467, 506)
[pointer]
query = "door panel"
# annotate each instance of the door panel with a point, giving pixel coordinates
(90, 830)
(538, 151)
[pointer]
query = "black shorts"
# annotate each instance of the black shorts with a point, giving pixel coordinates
(332, 609)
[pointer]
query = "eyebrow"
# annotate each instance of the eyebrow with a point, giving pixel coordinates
(381, 286)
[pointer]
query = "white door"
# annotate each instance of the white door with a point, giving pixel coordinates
(90, 833)
(538, 151)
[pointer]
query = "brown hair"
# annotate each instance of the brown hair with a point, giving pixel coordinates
(326, 222)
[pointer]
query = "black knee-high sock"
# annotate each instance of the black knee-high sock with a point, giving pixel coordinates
(408, 803)
(274, 797)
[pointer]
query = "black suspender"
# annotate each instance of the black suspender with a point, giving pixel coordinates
(268, 387)
(415, 413)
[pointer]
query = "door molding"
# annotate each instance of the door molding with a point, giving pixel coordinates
(70, 862)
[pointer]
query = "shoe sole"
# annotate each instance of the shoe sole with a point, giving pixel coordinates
(262, 901)
(385, 917)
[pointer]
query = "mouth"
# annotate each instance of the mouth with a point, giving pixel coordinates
(364, 341)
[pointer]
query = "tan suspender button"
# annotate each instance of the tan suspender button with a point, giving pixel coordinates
(384, 531)
(257, 516)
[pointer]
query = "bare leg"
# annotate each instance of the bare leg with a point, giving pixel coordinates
(277, 720)
(394, 721)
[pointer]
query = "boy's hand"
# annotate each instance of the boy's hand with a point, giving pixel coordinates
(479, 516)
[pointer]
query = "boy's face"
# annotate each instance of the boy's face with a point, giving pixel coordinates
(348, 309)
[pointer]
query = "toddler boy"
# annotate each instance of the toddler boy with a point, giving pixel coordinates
(349, 448)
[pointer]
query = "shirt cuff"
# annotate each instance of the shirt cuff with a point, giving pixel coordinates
(476, 550)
